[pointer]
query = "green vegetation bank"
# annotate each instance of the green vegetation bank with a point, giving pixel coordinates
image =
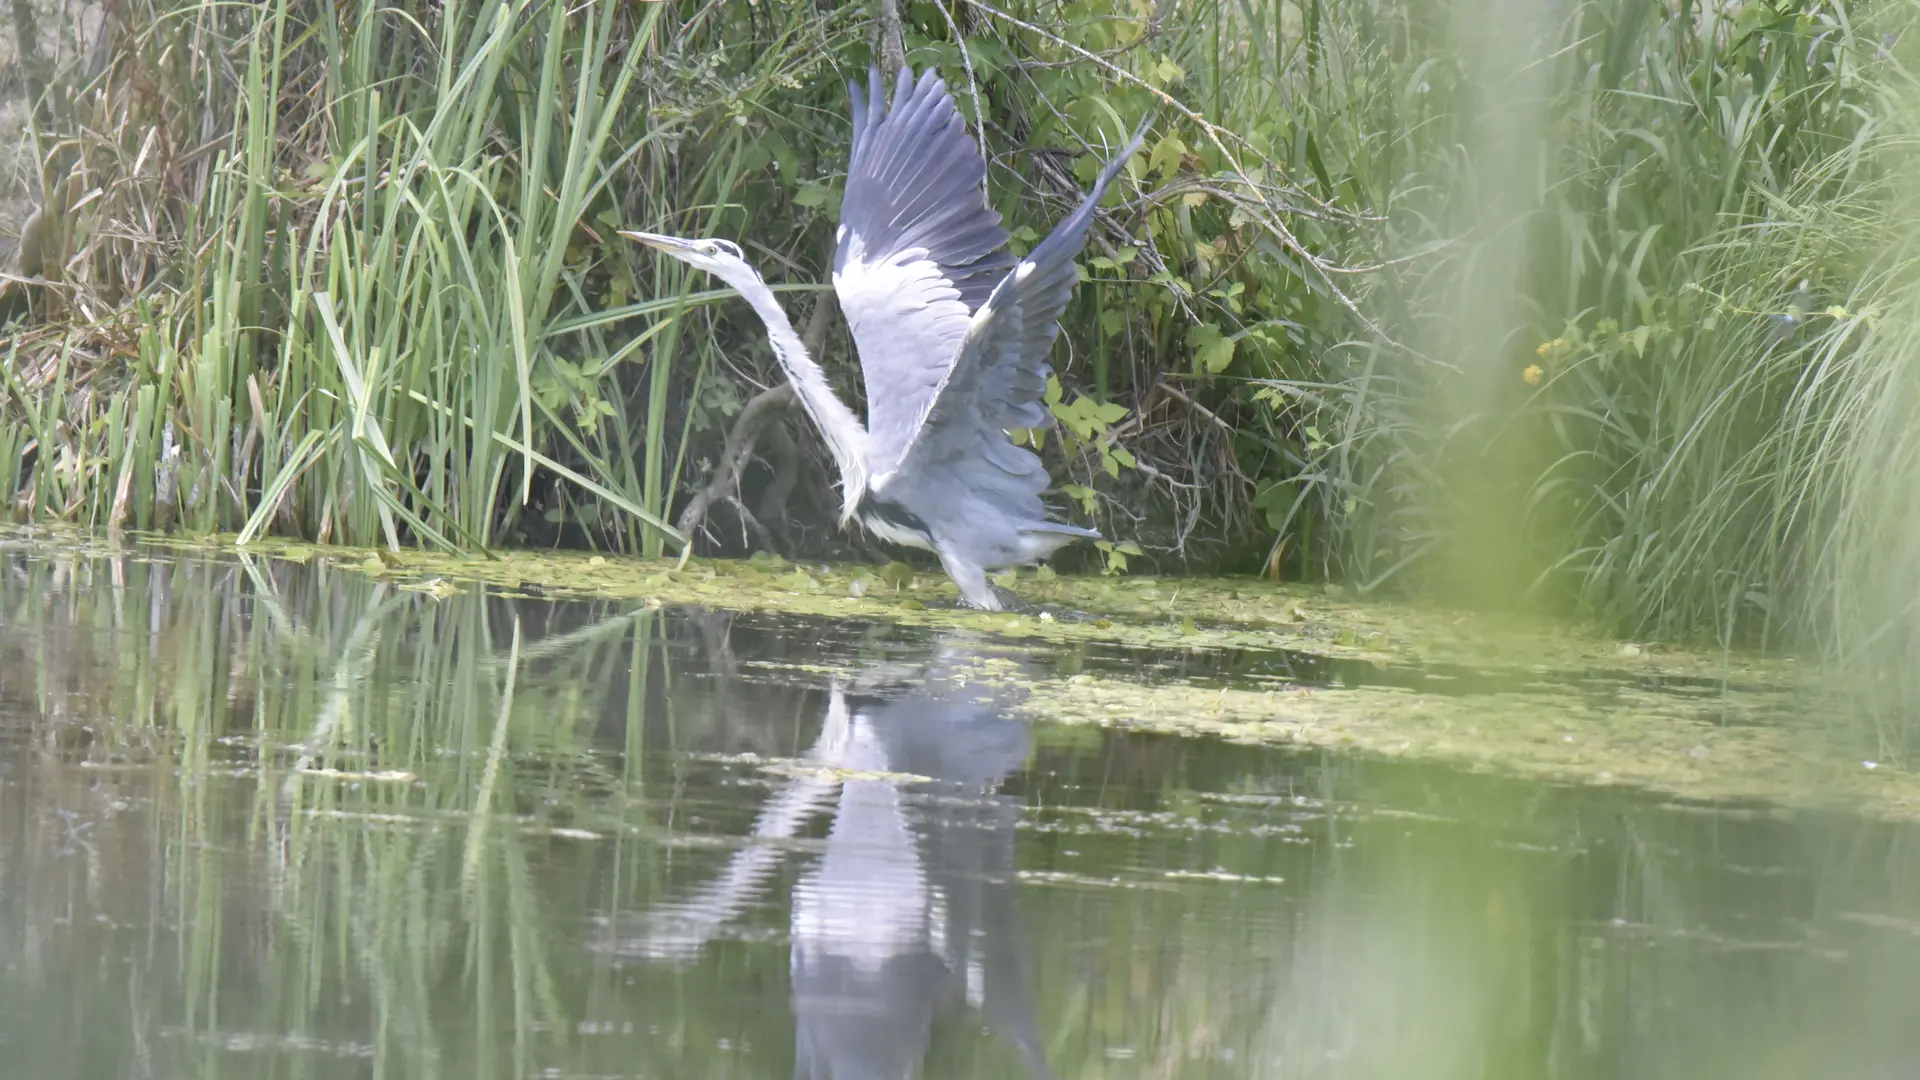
(1601, 306)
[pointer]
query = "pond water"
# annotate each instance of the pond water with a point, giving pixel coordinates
(274, 819)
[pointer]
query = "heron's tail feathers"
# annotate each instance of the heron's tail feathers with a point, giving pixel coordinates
(1067, 530)
(1042, 539)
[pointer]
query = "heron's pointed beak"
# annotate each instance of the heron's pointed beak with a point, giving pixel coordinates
(672, 245)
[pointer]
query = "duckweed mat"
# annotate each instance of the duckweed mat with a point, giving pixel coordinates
(1567, 705)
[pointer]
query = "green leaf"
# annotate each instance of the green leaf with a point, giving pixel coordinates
(1100, 102)
(1167, 155)
(811, 194)
(1111, 412)
(1212, 350)
(1266, 496)
(783, 155)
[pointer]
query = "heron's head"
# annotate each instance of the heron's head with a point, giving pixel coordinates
(721, 258)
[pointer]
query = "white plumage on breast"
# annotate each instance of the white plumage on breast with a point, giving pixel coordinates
(893, 534)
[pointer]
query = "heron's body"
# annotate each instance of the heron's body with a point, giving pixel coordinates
(893, 522)
(953, 334)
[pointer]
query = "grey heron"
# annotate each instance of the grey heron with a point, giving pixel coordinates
(953, 334)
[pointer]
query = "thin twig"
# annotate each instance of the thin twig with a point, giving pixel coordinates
(1199, 409)
(973, 88)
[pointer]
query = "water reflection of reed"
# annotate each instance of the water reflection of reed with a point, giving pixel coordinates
(294, 805)
(320, 819)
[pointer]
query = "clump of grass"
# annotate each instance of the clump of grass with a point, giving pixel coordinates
(383, 303)
(1857, 457)
(1606, 345)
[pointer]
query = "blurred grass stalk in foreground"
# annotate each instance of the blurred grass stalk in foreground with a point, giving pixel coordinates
(1862, 453)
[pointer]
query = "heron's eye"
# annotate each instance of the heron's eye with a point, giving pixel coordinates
(710, 249)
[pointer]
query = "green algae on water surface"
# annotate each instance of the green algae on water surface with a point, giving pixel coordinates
(1738, 747)
(1692, 725)
(1780, 746)
(1161, 613)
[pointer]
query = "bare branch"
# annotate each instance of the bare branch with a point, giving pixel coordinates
(891, 42)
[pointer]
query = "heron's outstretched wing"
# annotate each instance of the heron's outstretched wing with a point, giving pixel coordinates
(919, 250)
(999, 377)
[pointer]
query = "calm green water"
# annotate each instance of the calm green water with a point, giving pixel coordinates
(274, 820)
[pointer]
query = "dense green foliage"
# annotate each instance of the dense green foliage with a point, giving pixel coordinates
(1596, 302)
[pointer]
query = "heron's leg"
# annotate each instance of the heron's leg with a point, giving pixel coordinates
(1009, 600)
(971, 579)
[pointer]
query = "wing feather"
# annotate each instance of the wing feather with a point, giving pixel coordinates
(998, 379)
(918, 249)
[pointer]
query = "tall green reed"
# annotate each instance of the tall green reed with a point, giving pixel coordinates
(395, 308)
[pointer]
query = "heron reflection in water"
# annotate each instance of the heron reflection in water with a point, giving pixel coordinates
(910, 908)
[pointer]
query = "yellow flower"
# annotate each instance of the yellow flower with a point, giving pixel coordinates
(1532, 375)
(1549, 346)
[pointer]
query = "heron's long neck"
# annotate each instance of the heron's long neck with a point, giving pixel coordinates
(843, 431)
